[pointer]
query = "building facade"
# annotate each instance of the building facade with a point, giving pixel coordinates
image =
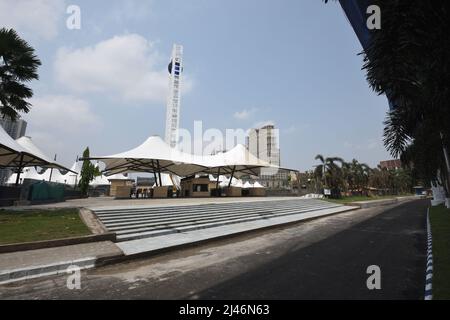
(15, 129)
(264, 143)
(173, 99)
(391, 164)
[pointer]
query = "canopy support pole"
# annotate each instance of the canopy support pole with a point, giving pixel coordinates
(217, 182)
(51, 171)
(159, 173)
(156, 178)
(154, 173)
(231, 178)
(19, 169)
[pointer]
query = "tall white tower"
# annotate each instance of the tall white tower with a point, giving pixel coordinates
(173, 99)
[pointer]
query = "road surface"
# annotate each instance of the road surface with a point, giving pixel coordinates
(326, 258)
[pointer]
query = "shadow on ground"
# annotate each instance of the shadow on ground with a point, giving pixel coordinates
(335, 268)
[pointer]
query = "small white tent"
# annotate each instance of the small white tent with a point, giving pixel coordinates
(247, 185)
(234, 183)
(257, 185)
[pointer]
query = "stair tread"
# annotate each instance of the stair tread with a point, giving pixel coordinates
(137, 223)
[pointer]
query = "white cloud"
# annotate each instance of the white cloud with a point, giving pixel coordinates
(37, 18)
(244, 114)
(61, 115)
(126, 66)
(62, 124)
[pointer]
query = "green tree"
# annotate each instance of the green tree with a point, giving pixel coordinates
(356, 175)
(408, 61)
(88, 173)
(18, 65)
(330, 173)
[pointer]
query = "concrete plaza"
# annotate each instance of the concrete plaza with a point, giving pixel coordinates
(110, 202)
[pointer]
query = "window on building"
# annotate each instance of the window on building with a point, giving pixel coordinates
(200, 188)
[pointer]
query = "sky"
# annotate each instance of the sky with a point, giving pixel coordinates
(291, 63)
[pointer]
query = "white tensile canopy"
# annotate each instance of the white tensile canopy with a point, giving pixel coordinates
(154, 155)
(103, 180)
(10, 150)
(45, 161)
(13, 154)
(23, 153)
(236, 162)
(232, 182)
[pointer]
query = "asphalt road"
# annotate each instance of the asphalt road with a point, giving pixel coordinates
(326, 258)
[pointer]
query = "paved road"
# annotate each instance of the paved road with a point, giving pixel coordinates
(321, 259)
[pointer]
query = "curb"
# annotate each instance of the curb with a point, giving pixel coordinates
(383, 202)
(26, 246)
(9, 276)
(429, 270)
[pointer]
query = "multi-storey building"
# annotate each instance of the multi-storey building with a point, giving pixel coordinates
(15, 129)
(264, 143)
(391, 164)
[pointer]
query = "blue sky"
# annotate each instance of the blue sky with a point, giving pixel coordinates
(294, 63)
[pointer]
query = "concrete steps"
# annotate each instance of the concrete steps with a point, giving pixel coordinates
(138, 223)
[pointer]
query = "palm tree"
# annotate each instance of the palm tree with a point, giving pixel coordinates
(365, 172)
(408, 61)
(329, 173)
(18, 65)
(356, 175)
